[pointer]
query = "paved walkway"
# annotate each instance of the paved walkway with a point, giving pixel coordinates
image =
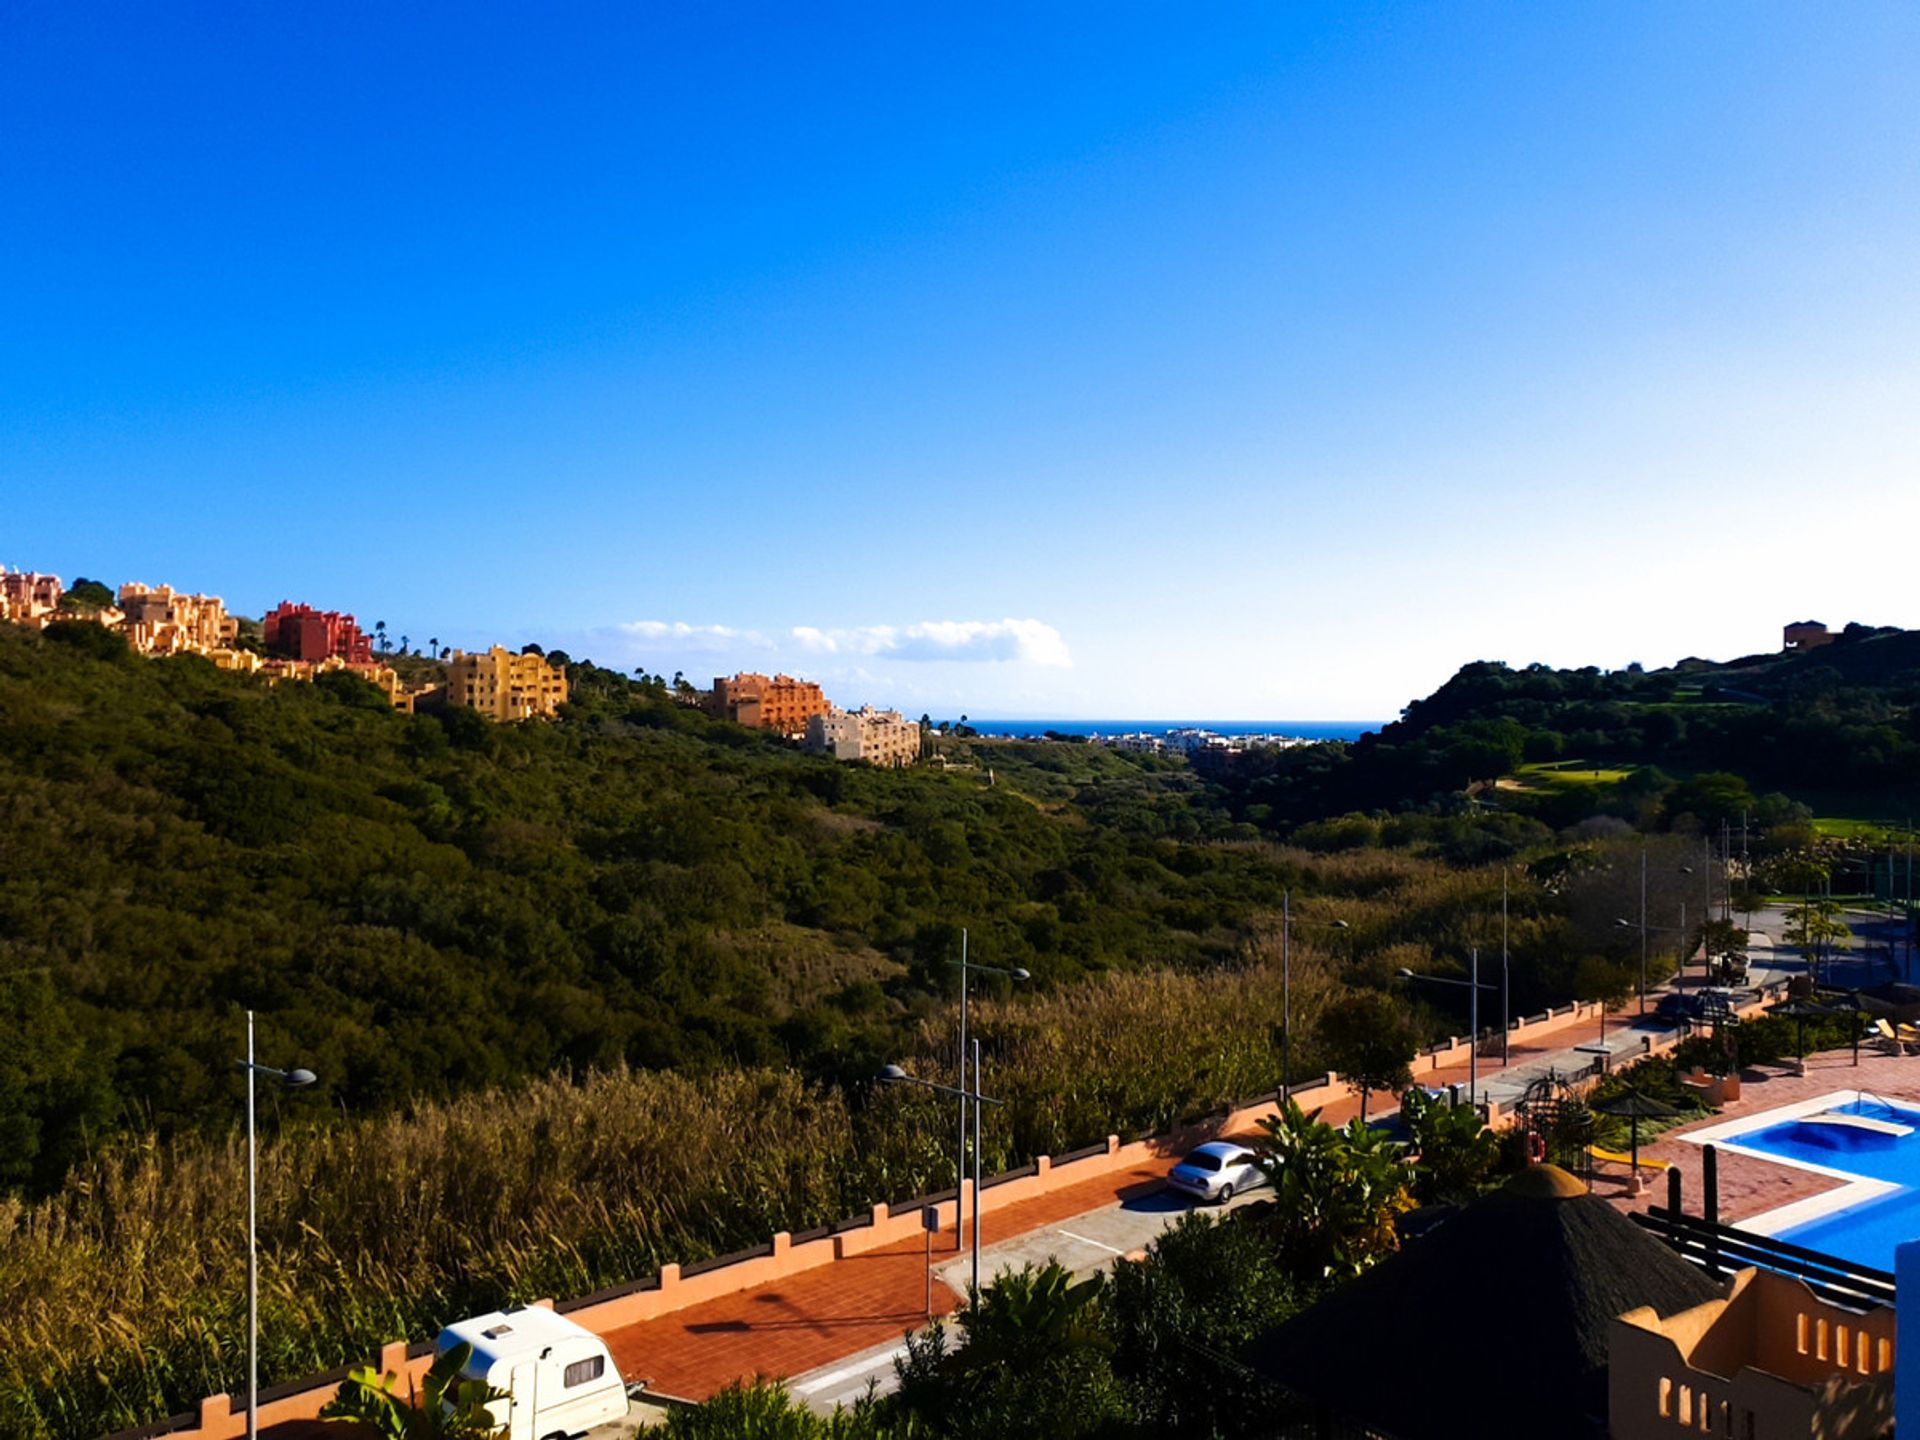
(787, 1327)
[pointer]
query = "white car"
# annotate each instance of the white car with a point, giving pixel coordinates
(1218, 1170)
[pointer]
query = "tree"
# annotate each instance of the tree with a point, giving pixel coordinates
(1206, 1287)
(96, 642)
(85, 594)
(433, 645)
(1816, 929)
(1605, 981)
(1713, 796)
(1369, 1043)
(405, 640)
(1335, 1194)
(380, 635)
(446, 1407)
(1454, 1152)
(1036, 1362)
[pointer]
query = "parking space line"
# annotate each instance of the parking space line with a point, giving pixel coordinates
(1098, 1245)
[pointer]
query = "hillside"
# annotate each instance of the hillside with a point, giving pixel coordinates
(1837, 725)
(425, 905)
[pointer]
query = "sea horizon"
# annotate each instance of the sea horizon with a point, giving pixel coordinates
(1301, 729)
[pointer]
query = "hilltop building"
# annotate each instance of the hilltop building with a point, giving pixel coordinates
(779, 703)
(504, 686)
(1806, 635)
(877, 737)
(304, 633)
(162, 621)
(29, 598)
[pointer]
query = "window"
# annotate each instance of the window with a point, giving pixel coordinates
(581, 1371)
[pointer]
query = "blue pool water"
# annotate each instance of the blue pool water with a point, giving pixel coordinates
(1865, 1234)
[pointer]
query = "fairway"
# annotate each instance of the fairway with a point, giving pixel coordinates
(1570, 772)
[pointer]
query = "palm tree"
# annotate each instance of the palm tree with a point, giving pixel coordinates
(403, 644)
(380, 634)
(433, 645)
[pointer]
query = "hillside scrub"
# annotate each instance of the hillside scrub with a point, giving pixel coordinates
(429, 905)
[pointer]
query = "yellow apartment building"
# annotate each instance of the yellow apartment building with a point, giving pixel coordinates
(504, 686)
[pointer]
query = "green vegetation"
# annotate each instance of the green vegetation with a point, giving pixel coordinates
(426, 905)
(446, 1407)
(1036, 1360)
(1841, 719)
(763, 1411)
(1336, 1195)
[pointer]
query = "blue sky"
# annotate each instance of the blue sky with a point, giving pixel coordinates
(1065, 360)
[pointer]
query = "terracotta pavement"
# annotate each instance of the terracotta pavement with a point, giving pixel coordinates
(790, 1326)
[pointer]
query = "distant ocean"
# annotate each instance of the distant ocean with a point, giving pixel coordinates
(1304, 729)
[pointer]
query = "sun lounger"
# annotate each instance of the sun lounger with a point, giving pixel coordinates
(1897, 1038)
(1621, 1157)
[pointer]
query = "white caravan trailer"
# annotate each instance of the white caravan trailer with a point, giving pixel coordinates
(559, 1377)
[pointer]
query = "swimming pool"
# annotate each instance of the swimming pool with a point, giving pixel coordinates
(1878, 1206)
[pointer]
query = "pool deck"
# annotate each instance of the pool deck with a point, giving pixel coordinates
(1750, 1186)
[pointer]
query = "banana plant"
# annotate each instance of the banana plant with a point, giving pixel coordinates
(447, 1406)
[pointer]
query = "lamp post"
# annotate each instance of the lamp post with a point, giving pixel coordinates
(1506, 1030)
(894, 1075)
(967, 970)
(1473, 988)
(1643, 927)
(1286, 989)
(292, 1080)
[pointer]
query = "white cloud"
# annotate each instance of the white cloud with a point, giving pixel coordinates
(679, 637)
(1027, 642)
(1030, 642)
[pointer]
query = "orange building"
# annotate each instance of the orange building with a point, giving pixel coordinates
(781, 703)
(504, 686)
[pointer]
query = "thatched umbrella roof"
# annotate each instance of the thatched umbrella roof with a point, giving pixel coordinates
(1635, 1107)
(1493, 1326)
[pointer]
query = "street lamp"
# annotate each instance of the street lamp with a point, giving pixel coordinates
(894, 1075)
(1286, 988)
(1643, 927)
(292, 1080)
(1473, 987)
(967, 970)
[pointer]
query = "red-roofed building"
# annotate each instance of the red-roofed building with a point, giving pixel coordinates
(304, 633)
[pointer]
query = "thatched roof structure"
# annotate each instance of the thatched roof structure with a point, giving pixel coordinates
(1495, 1325)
